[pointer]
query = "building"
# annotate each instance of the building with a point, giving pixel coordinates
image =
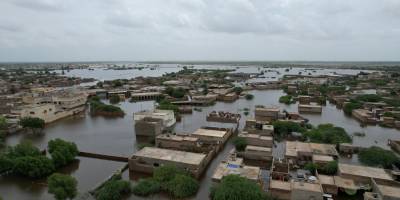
(149, 158)
(301, 152)
(257, 140)
(383, 192)
(363, 174)
(258, 153)
(304, 99)
(266, 114)
(364, 116)
(309, 108)
(306, 190)
(258, 127)
(212, 135)
(234, 165)
(149, 127)
(167, 117)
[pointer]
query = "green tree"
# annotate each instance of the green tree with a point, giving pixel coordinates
(3, 123)
(62, 152)
(240, 143)
(236, 187)
(182, 186)
(33, 123)
(284, 128)
(113, 190)
(146, 187)
(327, 133)
(375, 156)
(62, 186)
(287, 99)
(249, 96)
(238, 90)
(114, 99)
(33, 167)
(349, 107)
(166, 173)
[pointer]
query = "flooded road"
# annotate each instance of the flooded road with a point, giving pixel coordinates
(116, 136)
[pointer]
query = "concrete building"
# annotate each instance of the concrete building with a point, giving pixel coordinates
(258, 153)
(257, 140)
(309, 108)
(148, 158)
(383, 192)
(146, 96)
(363, 174)
(212, 135)
(306, 190)
(304, 99)
(364, 116)
(266, 114)
(301, 152)
(258, 127)
(167, 117)
(149, 127)
(178, 142)
(234, 165)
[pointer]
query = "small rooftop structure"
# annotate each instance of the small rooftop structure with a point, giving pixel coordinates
(235, 165)
(363, 173)
(212, 134)
(171, 155)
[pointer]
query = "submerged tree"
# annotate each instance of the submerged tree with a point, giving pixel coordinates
(62, 186)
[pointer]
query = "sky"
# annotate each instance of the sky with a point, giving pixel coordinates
(199, 30)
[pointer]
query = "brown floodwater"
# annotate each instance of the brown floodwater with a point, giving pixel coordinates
(116, 136)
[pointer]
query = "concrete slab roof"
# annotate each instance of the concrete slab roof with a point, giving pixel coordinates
(322, 158)
(224, 169)
(326, 180)
(210, 133)
(257, 148)
(280, 185)
(304, 186)
(363, 171)
(389, 191)
(171, 155)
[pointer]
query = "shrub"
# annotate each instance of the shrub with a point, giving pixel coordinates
(330, 168)
(376, 156)
(113, 190)
(287, 99)
(32, 123)
(62, 186)
(167, 105)
(114, 99)
(238, 90)
(369, 98)
(33, 167)
(240, 143)
(236, 187)
(327, 133)
(249, 96)
(283, 128)
(166, 173)
(182, 186)
(62, 152)
(146, 187)
(349, 107)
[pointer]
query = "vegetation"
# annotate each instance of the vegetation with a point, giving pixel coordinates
(284, 128)
(349, 107)
(3, 125)
(329, 169)
(240, 143)
(167, 105)
(327, 133)
(98, 107)
(287, 99)
(369, 98)
(143, 145)
(114, 99)
(113, 189)
(62, 152)
(238, 90)
(146, 187)
(236, 187)
(249, 96)
(33, 166)
(62, 186)
(175, 92)
(168, 178)
(376, 156)
(33, 123)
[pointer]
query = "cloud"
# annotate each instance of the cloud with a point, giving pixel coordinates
(199, 29)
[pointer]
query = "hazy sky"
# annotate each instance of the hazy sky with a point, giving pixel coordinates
(136, 30)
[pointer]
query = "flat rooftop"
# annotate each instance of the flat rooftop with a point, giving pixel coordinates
(304, 186)
(176, 137)
(210, 133)
(322, 158)
(257, 148)
(326, 180)
(280, 185)
(363, 171)
(389, 191)
(171, 155)
(224, 169)
(249, 135)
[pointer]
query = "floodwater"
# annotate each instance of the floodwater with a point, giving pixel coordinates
(116, 136)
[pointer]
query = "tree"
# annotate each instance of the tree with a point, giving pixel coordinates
(375, 156)
(62, 152)
(182, 186)
(114, 99)
(113, 190)
(240, 143)
(33, 167)
(238, 90)
(249, 96)
(287, 99)
(32, 123)
(327, 133)
(3, 123)
(146, 187)
(283, 128)
(349, 107)
(166, 173)
(236, 187)
(62, 186)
